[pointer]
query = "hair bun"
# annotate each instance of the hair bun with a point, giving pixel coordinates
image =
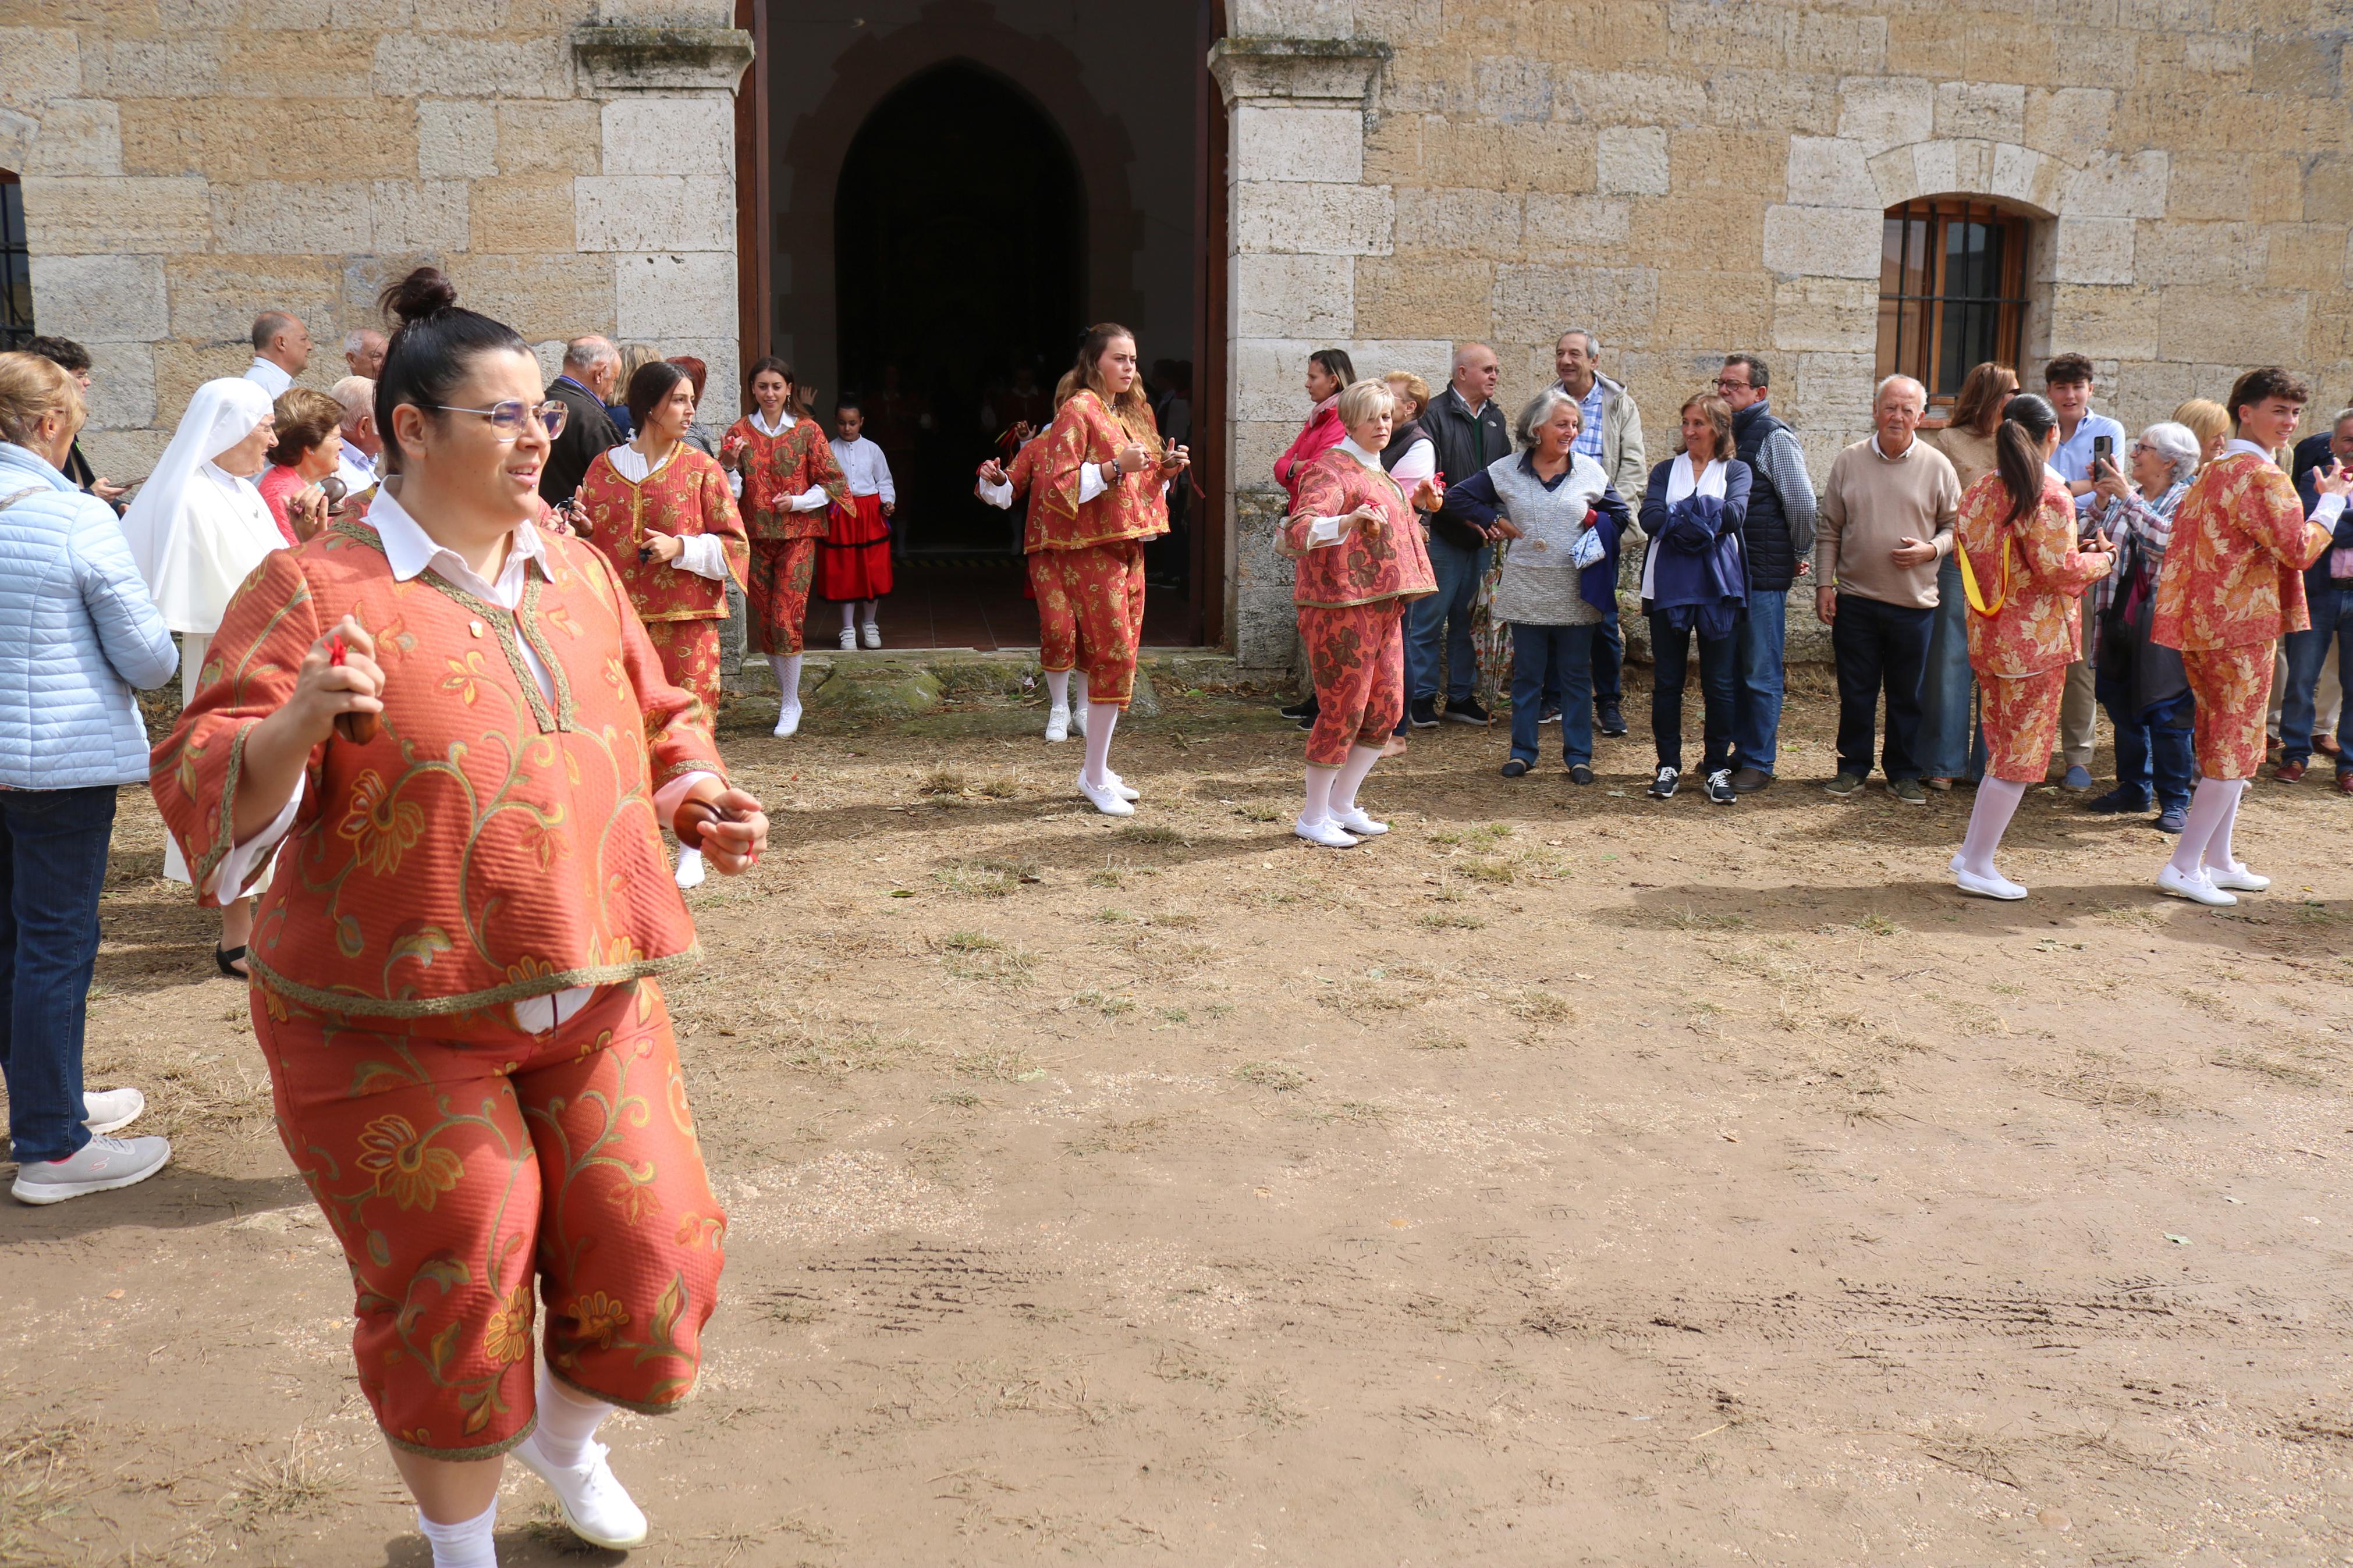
(423, 294)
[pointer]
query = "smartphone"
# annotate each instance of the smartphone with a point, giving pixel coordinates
(2104, 449)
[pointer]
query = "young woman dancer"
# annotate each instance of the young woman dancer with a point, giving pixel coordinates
(464, 735)
(2232, 583)
(1360, 553)
(789, 482)
(2024, 577)
(1101, 476)
(661, 512)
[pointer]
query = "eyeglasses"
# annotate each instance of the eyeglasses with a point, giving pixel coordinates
(1725, 384)
(508, 417)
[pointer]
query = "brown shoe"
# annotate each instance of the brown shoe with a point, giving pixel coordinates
(1748, 781)
(2327, 746)
(2288, 773)
(2345, 784)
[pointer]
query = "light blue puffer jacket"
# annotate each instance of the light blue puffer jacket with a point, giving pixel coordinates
(77, 633)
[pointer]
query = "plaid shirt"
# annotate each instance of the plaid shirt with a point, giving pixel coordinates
(1588, 434)
(2140, 528)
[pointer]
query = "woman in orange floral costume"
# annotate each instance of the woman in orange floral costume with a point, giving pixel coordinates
(459, 729)
(2025, 580)
(1361, 557)
(662, 513)
(1101, 478)
(788, 481)
(2232, 583)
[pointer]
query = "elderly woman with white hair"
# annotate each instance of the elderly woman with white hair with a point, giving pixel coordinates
(2141, 683)
(197, 529)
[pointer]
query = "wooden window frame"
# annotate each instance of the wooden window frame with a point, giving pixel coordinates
(16, 265)
(1913, 290)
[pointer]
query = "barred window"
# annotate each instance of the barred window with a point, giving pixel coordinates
(16, 267)
(1952, 291)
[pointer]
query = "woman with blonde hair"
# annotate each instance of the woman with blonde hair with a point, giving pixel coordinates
(2209, 422)
(80, 634)
(1948, 689)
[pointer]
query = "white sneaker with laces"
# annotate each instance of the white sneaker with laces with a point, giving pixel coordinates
(1663, 786)
(1326, 833)
(2236, 877)
(849, 640)
(873, 634)
(690, 870)
(1057, 725)
(1105, 798)
(1356, 820)
(595, 1505)
(1125, 791)
(2197, 889)
(99, 1166)
(111, 1110)
(1079, 716)
(788, 722)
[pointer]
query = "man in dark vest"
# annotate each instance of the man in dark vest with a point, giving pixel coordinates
(1779, 535)
(1470, 432)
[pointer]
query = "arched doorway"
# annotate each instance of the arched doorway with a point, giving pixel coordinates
(960, 231)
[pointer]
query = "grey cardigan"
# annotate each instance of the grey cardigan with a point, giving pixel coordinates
(1539, 582)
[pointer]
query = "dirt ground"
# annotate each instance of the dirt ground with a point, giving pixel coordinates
(1564, 1178)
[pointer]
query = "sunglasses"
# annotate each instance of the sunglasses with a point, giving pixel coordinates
(1725, 384)
(508, 417)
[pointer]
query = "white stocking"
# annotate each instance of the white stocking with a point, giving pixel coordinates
(469, 1543)
(849, 615)
(787, 666)
(1058, 687)
(869, 606)
(568, 1420)
(2210, 809)
(1989, 820)
(2219, 856)
(1320, 780)
(1101, 718)
(1352, 775)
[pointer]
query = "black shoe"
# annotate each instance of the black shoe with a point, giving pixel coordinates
(1748, 781)
(1580, 773)
(2118, 802)
(1467, 711)
(1515, 768)
(1307, 720)
(1719, 787)
(1551, 715)
(1613, 720)
(1423, 714)
(1302, 708)
(1663, 786)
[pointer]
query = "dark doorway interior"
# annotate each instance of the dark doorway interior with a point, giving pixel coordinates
(959, 225)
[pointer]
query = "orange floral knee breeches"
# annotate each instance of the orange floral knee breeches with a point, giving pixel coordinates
(1090, 614)
(2022, 722)
(2233, 687)
(1356, 656)
(689, 651)
(458, 1160)
(777, 591)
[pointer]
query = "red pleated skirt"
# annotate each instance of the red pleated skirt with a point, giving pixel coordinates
(853, 560)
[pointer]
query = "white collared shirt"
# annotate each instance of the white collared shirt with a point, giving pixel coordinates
(1324, 531)
(356, 470)
(272, 379)
(866, 469)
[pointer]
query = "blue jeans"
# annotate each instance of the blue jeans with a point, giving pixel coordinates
(1879, 647)
(1757, 681)
(1609, 665)
(1441, 632)
(2155, 755)
(1947, 684)
(1560, 656)
(52, 869)
(2332, 627)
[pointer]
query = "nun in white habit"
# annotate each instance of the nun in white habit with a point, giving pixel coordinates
(198, 529)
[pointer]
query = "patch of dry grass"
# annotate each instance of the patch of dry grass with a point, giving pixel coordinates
(1280, 1077)
(986, 879)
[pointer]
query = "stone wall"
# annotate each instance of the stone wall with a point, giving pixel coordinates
(1691, 176)
(186, 165)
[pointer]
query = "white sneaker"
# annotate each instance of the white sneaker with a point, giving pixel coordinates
(2197, 889)
(111, 1110)
(2237, 878)
(788, 722)
(849, 640)
(1326, 833)
(100, 1165)
(1357, 821)
(1120, 785)
(873, 634)
(595, 1505)
(1079, 718)
(1987, 887)
(1057, 725)
(691, 870)
(1106, 799)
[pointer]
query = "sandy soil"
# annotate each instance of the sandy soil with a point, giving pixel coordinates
(1567, 1178)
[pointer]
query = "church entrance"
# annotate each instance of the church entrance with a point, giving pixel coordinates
(954, 191)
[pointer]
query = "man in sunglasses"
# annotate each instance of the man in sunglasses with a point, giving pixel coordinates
(591, 364)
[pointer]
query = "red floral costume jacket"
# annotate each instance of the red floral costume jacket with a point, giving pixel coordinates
(1361, 569)
(486, 846)
(2031, 572)
(1085, 433)
(686, 495)
(778, 468)
(2233, 574)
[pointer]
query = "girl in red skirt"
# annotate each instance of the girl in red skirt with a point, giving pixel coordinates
(853, 560)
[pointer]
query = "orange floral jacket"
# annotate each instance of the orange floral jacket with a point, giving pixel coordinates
(1084, 432)
(2234, 575)
(485, 846)
(687, 496)
(1359, 570)
(2040, 622)
(778, 468)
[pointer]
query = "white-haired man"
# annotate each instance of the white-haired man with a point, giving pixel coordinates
(1885, 523)
(591, 365)
(281, 350)
(363, 352)
(363, 448)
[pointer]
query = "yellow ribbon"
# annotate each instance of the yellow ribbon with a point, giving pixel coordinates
(1969, 578)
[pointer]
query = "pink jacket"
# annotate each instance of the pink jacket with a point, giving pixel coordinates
(1319, 435)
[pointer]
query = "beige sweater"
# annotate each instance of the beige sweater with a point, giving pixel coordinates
(1871, 504)
(1972, 454)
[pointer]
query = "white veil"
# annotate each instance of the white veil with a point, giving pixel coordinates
(195, 537)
